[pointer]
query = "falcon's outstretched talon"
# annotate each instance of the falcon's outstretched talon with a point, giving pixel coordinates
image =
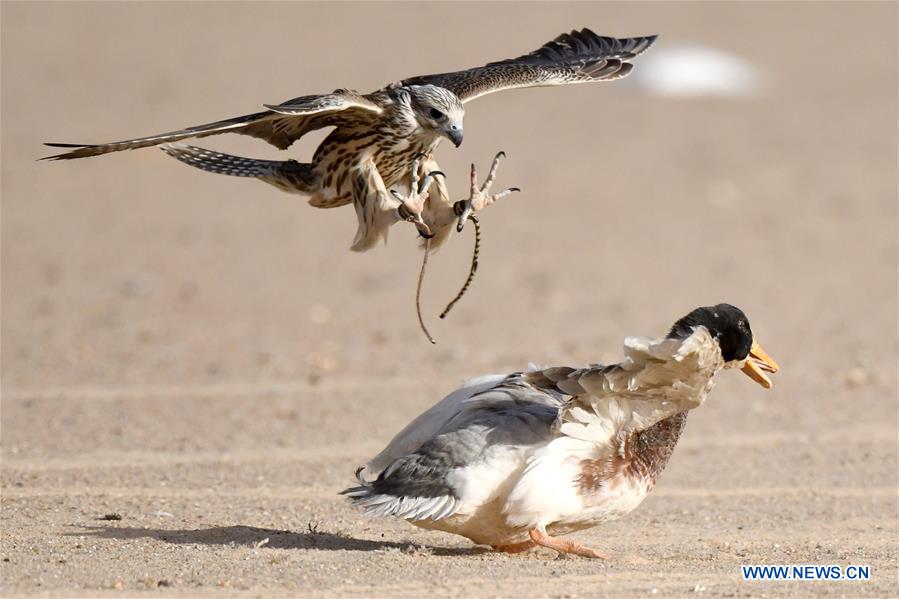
(480, 197)
(412, 205)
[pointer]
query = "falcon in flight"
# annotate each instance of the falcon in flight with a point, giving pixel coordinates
(379, 156)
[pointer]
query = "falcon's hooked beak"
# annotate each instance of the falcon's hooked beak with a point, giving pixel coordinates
(453, 131)
(757, 362)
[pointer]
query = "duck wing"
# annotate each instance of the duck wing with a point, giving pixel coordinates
(657, 379)
(458, 453)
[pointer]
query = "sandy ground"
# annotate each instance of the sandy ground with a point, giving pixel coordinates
(204, 357)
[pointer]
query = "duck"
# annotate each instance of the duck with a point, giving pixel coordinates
(516, 461)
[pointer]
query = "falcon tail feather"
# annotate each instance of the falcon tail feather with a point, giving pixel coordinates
(287, 175)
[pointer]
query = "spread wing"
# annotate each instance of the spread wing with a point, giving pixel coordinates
(576, 57)
(280, 126)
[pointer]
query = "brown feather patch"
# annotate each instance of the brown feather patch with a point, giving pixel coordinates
(640, 455)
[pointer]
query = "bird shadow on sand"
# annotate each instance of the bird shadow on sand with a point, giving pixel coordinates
(250, 536)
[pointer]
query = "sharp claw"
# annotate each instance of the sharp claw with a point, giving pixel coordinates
(435, 173)
(503, 194)
(423, 229)
(491, 176)
(396, 194)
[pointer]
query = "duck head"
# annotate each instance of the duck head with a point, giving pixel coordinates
(729, 326)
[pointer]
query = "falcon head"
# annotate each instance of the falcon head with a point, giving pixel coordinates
(437, 110)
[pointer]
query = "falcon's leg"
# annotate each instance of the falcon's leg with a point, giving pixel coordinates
(412, 205)
(539, 536)
(480, 197)
(377, 210)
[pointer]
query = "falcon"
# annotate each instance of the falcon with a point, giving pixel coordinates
(379, 155)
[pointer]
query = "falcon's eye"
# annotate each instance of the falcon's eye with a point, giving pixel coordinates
(436, 114)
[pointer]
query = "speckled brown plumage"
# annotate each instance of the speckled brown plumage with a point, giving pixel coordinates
(377, 136)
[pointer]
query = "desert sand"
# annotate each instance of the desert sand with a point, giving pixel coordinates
(205, 358)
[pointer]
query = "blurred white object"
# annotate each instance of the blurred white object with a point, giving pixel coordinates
(695, 70)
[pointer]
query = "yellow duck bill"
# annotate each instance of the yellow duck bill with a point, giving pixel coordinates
(757, 364)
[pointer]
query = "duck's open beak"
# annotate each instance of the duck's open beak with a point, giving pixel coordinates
(757, 364)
